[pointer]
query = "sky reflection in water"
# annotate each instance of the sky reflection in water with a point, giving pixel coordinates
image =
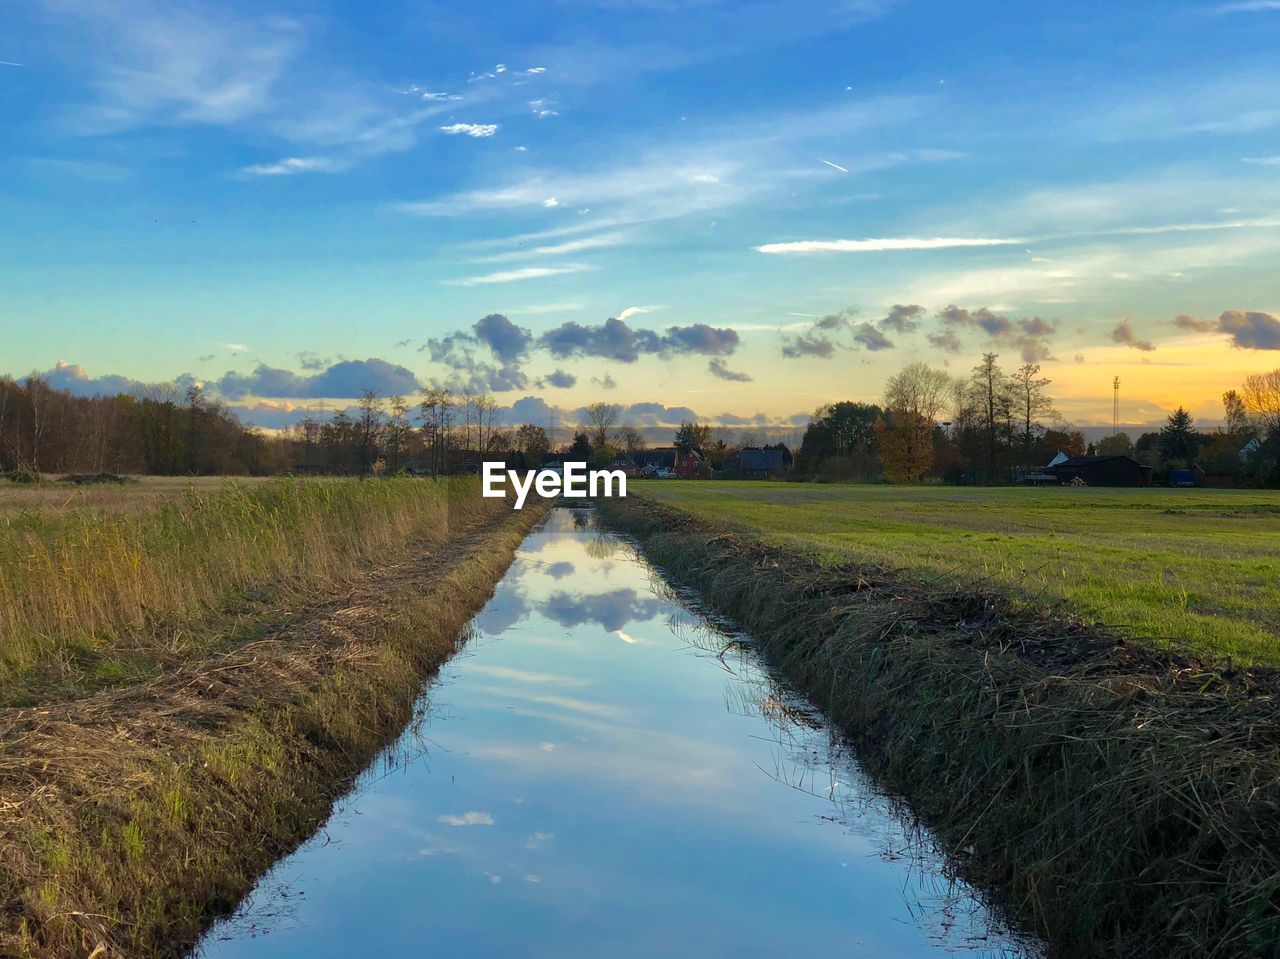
(597, 775)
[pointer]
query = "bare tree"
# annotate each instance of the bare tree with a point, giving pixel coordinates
(631, 440)
(368, 429)
(437, 410)
(486, 420)
(397, 434)
(1032, 401)
(600, 420)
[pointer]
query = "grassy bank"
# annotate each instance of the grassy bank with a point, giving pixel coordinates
(96, 594)
(1199, 567)
(1119, 800)
(137, 807)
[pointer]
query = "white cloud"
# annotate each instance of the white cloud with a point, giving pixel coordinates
(524, 273)
(471, 129)
(881, 244)
(1262, 161)
(467, 819)
(598, 242)
(538, 840)
(635, 310)
(290, 166)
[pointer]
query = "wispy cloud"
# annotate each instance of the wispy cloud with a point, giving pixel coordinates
(881, 244)
(601, 241)
(535, 309)
(171, 64)
(1248, 6)
(291, 166)
(524, 273)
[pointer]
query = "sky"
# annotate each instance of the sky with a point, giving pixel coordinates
(731, 209)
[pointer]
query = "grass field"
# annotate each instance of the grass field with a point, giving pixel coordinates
(101, 585)
(139, 495)
(1195, 567)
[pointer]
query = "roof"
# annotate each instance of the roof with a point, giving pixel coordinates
(757, 459)
(1075, 461)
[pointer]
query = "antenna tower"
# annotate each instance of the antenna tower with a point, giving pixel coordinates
(1115, 405)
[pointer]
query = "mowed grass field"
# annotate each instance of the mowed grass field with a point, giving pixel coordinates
(1198, 568)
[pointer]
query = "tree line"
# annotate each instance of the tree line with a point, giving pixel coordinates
(154, 430)
(993, 427)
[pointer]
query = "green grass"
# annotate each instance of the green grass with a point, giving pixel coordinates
(1199, 568)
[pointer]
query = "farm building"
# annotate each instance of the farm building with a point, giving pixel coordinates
(1102, 471)
(669, 460)
(764, 462)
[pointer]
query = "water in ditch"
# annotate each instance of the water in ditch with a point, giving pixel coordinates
(602, 771)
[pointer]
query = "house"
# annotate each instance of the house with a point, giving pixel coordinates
(1102, 471)
(1253, 446)
(1039, 476)
(669, 461)
(764, 462)
(627, 466)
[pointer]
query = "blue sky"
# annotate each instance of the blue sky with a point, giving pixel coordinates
(267, 197)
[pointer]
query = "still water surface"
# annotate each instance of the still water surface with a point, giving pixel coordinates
(604, 772)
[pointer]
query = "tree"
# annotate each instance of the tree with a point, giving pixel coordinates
(692, 436)
(397, 434)
(843, 436)
(368, 430)
(631, 441)
(1235, 415)
(1119, 444)
(580, 449)
(905, 452)
(1032, 403)
(913, 397)
(1262, 401)
(600, 420)
(990, 390)
(1179, 441)
(532, 441)
(437, 410)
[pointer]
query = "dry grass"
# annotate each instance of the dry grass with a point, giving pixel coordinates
(132, 817)
(1120, 801)
(140, 494)
(90, 596)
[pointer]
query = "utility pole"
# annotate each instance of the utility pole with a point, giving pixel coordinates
(1115, 406)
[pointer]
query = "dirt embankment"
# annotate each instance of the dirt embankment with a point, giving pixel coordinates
(129, 820)
(1117, 801)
